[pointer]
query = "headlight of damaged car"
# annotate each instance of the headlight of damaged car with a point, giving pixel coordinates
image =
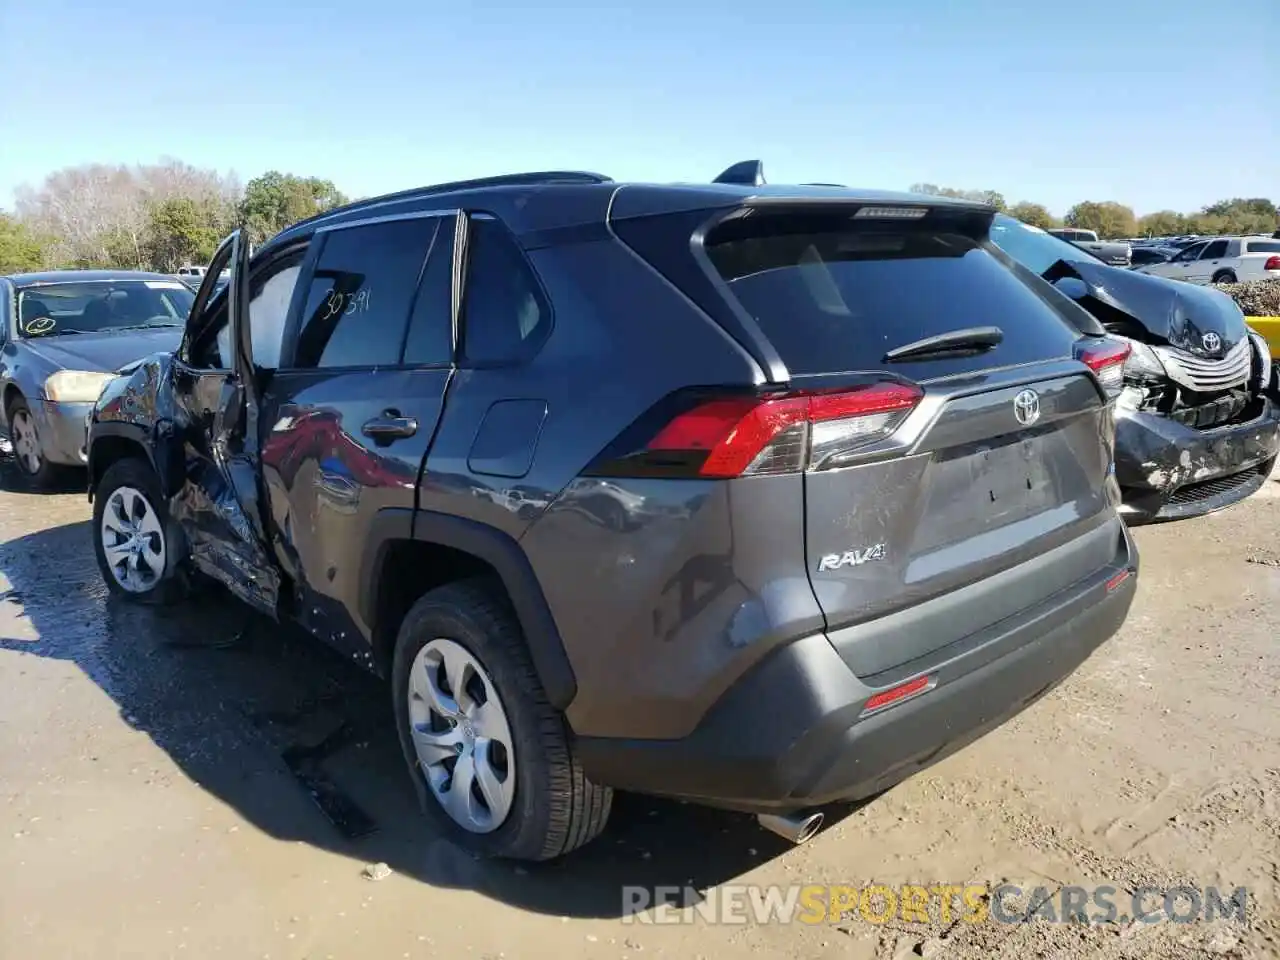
(1142, 366)
(76, 386)
(1261, 359)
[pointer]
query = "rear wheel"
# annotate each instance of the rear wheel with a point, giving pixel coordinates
(27, 450)
(489, 756)
(133, 538)
(1225, 276)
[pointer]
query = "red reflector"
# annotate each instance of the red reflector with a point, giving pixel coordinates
(1099, 358)
(1118, 579)
(893, 695)
(734, 431)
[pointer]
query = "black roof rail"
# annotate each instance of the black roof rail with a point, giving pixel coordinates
(749, 173)
(501, 180)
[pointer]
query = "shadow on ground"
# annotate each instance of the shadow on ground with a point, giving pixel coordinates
(234, 700)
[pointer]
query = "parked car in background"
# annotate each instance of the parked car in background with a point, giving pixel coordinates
(1197, 423)
(1144, 255)
(1115, 252)
(62, 336)
(1222, 260)
(803, 488)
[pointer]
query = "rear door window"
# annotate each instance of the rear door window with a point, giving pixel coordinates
(430, 338)
(357, 309)
(1215, 250)
(836, 297)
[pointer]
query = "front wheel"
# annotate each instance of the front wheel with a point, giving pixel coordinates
(490, 757)
(132, 536)
(27, 449)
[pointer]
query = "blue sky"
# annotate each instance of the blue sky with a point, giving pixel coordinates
(1155, 103)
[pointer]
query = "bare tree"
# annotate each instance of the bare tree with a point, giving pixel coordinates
(100, 215)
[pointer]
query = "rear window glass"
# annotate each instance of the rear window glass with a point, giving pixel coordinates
(832, 297)
(1264, 246)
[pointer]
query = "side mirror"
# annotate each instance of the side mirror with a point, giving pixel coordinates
(1073, 287)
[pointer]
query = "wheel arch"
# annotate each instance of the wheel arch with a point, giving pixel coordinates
(112, 442)
(12, 392)
(428, 549)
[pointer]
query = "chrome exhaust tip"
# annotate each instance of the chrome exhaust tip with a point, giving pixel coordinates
(795, 827)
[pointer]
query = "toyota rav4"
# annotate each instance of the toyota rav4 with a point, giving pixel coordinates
(762, 497)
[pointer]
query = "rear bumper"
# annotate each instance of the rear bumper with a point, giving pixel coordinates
(1168, 471)
(791, 733)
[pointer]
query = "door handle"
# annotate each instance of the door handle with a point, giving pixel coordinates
(390, 426)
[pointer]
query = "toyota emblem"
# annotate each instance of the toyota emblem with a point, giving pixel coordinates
(1211, 342)
(1026, 407)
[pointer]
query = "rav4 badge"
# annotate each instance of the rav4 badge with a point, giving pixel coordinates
(851, 558)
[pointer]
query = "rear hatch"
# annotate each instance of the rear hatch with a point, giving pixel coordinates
(954, 435)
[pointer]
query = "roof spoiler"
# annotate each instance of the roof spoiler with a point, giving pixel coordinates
(748, 173)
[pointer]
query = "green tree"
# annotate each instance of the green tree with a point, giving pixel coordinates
(275, 200)
(1208, 224)
(1162, 223)
(20, 250)
(1034, 214)
(1254, 215)
(1107, 218)
(182, 231)
(981, 196)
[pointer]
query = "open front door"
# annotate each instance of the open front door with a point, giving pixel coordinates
(216, 394)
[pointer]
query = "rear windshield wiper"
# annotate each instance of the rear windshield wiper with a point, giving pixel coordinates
(969, 340)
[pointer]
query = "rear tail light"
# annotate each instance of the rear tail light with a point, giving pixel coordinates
(1114, 582)
(760, 435)
(1273, 263)
(1106, 360)
(904, 691)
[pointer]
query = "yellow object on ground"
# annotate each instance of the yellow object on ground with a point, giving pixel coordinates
(1269, 327)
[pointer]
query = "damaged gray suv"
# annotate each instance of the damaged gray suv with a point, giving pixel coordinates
(763, 497)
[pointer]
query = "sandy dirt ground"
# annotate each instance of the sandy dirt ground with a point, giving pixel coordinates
(153, 762)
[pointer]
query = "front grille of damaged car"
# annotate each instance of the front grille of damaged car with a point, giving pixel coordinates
(1208, 489)
(1211, 413)
(1204, 375)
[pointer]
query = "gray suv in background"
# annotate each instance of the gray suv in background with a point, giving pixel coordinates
(764, 497)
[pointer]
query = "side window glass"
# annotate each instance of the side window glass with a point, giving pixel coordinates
(1215, 250)
(269, 300)
(357, 309)
(430, 338)
(1191, 252)
(504, 315)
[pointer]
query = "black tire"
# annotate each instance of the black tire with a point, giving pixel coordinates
(1225, 276)
(47, 474)
(555, 808)
(133, 472)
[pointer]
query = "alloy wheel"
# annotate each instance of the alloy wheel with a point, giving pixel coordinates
(461, 736)
(26, 442)
(133, 540)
